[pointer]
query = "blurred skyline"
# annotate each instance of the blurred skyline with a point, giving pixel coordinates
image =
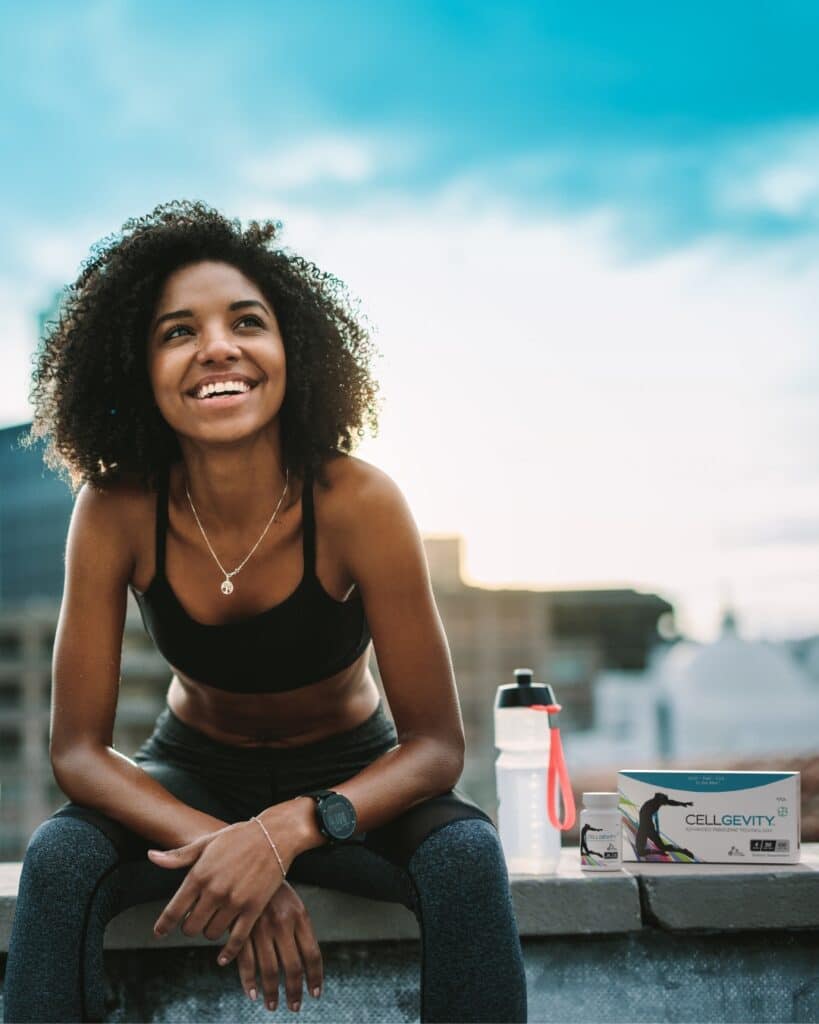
(586, 237)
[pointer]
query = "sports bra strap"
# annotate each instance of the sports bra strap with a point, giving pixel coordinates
(308, 523)
(162, 519)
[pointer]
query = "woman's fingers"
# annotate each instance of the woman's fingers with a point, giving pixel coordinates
(290, 961)
(280, 940)
(246, 963)
(267, 962)
(180, 904)
(197, 920)
(310, 954)
(240, 927)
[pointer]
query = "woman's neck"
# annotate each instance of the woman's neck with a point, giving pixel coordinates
(232, 493)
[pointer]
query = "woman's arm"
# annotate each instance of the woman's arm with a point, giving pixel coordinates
(385, 555)
(85, 679)
(115, 785)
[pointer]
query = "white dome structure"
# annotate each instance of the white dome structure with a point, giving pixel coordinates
(736, 697)
(715, 703)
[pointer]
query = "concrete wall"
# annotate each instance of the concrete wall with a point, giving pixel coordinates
(650, 943)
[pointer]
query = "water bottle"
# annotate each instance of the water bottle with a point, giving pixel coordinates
(527, 771)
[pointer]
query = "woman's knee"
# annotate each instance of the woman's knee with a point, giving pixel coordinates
(65, 853)
(463, 852)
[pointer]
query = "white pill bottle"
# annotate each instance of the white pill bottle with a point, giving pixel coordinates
(601, 844)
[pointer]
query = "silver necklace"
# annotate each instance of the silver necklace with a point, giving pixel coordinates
(226, 586)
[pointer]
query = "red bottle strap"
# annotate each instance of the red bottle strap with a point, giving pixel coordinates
(557, 771)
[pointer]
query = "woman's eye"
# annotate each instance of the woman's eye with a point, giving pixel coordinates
(181, 327)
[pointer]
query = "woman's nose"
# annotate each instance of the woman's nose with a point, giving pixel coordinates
(216, 344)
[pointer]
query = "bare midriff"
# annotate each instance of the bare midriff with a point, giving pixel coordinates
(289, 719)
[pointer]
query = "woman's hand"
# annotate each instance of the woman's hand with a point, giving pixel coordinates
(233, 875)
(282, 938)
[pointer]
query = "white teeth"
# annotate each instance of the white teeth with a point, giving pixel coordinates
(221, 386)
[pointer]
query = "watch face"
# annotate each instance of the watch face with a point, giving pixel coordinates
(338, 815)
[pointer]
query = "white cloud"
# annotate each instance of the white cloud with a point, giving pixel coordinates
(581, 421)
(777, 172)
(20, 301)
(325, 159)
(322, 159)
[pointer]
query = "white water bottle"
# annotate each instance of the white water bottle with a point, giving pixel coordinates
(528, 742)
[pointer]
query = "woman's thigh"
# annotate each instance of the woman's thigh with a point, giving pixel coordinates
(374, 864)
(82, 868)
(398, 839)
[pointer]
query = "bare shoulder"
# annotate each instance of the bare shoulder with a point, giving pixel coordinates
(130, 499)
(117, 514)
(358, 490)
(371, 521)
(116, 502)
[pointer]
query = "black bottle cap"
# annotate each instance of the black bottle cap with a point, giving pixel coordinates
(523, 692)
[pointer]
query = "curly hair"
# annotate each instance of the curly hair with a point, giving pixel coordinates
(92, 396)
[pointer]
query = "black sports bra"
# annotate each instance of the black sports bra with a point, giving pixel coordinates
(305, 638)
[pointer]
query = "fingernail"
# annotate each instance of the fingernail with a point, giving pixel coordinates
(223, 960)
(296, 1007)
(252, 993)
(159, 931)
(316, 992)
(271, 1004)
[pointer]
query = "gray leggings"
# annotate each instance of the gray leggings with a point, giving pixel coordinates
(442, 859)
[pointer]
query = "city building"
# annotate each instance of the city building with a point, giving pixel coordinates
(35, 507)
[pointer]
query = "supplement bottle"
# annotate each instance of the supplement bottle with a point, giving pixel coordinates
(600, 832)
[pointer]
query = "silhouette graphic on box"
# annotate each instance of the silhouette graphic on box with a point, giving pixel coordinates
(649, 827)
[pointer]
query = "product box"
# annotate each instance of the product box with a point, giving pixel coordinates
(710, 817)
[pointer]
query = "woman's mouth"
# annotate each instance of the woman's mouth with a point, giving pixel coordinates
(224, 400)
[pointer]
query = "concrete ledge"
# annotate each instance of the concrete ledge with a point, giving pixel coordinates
(336, 917)
(576, 902)
(729, 897)
(673, 897)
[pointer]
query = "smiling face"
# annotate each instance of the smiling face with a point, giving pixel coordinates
(212, 321)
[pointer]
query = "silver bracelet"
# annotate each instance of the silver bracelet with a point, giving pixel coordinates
(278, 858)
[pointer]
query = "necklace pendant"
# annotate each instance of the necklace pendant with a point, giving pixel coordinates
(227, 587)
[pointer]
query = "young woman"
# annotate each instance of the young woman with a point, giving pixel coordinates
(201, 390)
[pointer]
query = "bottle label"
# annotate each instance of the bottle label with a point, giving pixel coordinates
(599, 846)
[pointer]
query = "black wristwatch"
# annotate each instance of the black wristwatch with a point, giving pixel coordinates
(335, 815)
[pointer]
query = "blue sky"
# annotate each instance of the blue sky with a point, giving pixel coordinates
(598, 103)
(586, 234)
